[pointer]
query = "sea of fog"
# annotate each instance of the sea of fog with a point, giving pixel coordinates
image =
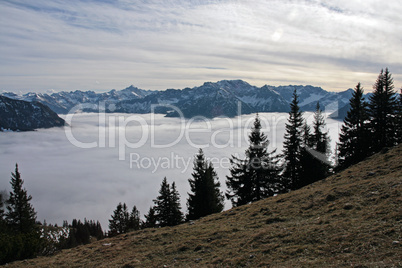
(87, 168)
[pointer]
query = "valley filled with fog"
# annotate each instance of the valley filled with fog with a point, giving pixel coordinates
(87, 168)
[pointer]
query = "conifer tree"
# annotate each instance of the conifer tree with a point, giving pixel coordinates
(206, 197)
(320, 145)
(134, 222)
(307, 161)
(257, 176)
(292, 146)
(382, 112)
(82, 234)
(306, 135)
(119, 222)
(216, 200)
(19, 235)
(239, 183)
(20, 215)
(71, 240)
(320, 139)
(150, 218)
(94, 228)
(354, 138)
(176, 214)
(167, 205)
(98, 231)
(162, 204)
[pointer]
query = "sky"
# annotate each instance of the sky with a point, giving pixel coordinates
(84, 170)
(158, 44)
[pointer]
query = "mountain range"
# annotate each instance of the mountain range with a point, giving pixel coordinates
(223, 98)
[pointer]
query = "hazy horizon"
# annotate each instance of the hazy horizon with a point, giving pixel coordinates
(50, 91)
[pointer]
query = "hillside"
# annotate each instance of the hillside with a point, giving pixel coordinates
(353, 218)
(19, 115)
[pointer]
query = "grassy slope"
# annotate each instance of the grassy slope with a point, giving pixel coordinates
(353, 218)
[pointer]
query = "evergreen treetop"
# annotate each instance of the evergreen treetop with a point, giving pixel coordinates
(306, 135)
(258, 141)
(167, 205)
(320, 139)
(120, 219)
(321, 147)
(134, 222)
(354, 138)
(382, 112)
(20, 212)
(257, 176)
(206, 197)
(292, 145)
(176, 216)
(163, 204)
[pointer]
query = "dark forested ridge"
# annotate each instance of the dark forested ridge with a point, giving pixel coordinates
(19, 115)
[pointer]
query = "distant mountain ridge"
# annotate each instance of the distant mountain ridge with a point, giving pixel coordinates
(221, 98)
(19, 115)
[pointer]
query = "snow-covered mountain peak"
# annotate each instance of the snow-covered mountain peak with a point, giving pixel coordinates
(210, 99)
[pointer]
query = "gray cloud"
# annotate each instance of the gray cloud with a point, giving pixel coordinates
(160, 44)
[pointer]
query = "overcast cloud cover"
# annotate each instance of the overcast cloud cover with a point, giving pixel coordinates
(100, 45)
(68, 182)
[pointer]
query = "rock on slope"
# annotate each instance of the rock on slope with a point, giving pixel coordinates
(351, 219)
(18, 115)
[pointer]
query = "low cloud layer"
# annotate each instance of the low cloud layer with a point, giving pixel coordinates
(68, 182)
(175, 44)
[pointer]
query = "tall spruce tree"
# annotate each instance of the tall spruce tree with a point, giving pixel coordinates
(257, 176)
(354, 139)
(20, 214)
(382, 112)
(167, 205)
(163, 204)
(206, 197)
(19, 235)
(292, 146)
(120, 219)
(321, 147)
(134, 222)
(176, 214)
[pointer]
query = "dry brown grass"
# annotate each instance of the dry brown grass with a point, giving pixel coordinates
(353, 218)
